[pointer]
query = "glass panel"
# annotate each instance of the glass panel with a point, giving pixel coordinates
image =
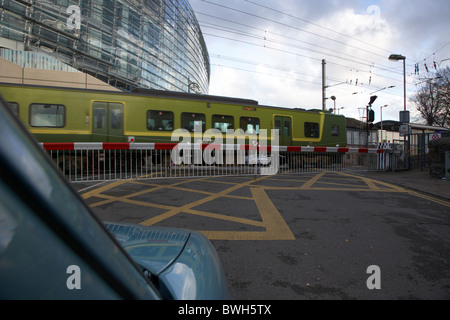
(47, 115)
(99, 118)
(278, 124)
(287, 128)
(116, 118)
(190, 121)
(312, 130)
(159, 120)
(250, 125)
(223, 123)
(335, 131)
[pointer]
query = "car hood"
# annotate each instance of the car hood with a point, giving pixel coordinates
(184, 262)
(154, 248)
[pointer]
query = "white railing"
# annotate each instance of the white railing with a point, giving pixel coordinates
(115, 161)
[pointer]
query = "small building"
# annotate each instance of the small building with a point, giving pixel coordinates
(359, 134)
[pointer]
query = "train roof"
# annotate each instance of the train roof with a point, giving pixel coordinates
(211, 98)
(195, 96)
(174, 95)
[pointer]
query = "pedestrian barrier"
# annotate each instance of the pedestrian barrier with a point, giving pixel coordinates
(115, 161)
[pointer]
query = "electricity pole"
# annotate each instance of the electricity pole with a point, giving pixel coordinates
(324, 86)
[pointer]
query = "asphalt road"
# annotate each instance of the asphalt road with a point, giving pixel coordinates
(300, 237)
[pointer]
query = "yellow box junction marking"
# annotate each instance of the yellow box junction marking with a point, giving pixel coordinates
(272, 221)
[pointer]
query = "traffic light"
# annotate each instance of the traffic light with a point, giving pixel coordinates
(371, 116)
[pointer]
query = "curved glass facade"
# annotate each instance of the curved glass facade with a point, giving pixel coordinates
(126, 43)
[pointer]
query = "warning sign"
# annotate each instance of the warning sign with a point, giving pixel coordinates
(434, 136)
(404, 129)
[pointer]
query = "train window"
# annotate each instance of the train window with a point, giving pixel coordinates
(335, 131)
(47, 115)
(14, 107)
(159, 120)
(287, 128)
(190, 121)
(223, 123)
(250, 125)
(116, 117)
(99, 118)
(278, 124)
(312, 130)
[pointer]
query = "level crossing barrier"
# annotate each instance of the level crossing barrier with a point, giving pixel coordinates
(116, 161)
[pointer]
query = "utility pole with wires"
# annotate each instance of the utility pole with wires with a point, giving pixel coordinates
(324, 85)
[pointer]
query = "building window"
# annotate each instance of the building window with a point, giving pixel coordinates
(47, 115)
(222, 123)
(159, 120)
(191, 121)
(250, 125)
(312, 130)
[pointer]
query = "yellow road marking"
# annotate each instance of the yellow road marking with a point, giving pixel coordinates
(189, 206)
(429, 198)
(276, 227)
(98, 192)
(394, 188)
(271, 217)
(311, 181)
(107, 187)
(272, 221)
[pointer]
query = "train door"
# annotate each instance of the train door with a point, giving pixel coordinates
(107, 123)
(284, 126)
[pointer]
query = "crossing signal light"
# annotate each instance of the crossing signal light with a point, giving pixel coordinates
(371, 116)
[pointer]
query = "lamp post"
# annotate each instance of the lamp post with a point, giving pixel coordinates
(404, 116)
(398, 57)
(390, 87)
(381, 115)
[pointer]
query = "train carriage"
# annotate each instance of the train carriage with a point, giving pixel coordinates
(79, 115)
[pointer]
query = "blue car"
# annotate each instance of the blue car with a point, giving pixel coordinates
(53, 247)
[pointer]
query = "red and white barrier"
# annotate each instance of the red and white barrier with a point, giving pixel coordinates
(53, 146)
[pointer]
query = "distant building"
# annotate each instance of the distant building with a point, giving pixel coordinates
(357, 133)
(125, 43)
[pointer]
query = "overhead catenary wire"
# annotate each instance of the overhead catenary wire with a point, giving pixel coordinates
(366, 62)
(300, 55)
(348, 57)
(315, 24)
(271, 41)
(296, 79)
(295, 28)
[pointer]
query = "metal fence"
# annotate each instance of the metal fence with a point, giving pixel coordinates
(81, 162)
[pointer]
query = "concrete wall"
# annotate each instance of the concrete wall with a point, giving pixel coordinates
(13, 73)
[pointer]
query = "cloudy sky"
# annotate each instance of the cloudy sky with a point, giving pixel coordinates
(272, 50)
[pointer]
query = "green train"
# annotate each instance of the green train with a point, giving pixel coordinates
(54, 114)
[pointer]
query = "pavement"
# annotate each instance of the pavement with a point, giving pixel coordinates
(303, 236)
(416, 180)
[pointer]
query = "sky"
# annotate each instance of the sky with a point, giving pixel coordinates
(271, 51)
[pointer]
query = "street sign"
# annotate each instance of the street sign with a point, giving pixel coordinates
(434, 136)
(404, 129)
(404, 117)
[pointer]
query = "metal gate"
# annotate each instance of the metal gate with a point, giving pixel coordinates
(116, 161)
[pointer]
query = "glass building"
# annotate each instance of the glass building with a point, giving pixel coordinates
(126, 43)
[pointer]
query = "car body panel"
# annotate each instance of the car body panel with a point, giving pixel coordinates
(45, 228)
(184, 262)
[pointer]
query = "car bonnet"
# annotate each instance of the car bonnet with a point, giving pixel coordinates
(152, 247)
